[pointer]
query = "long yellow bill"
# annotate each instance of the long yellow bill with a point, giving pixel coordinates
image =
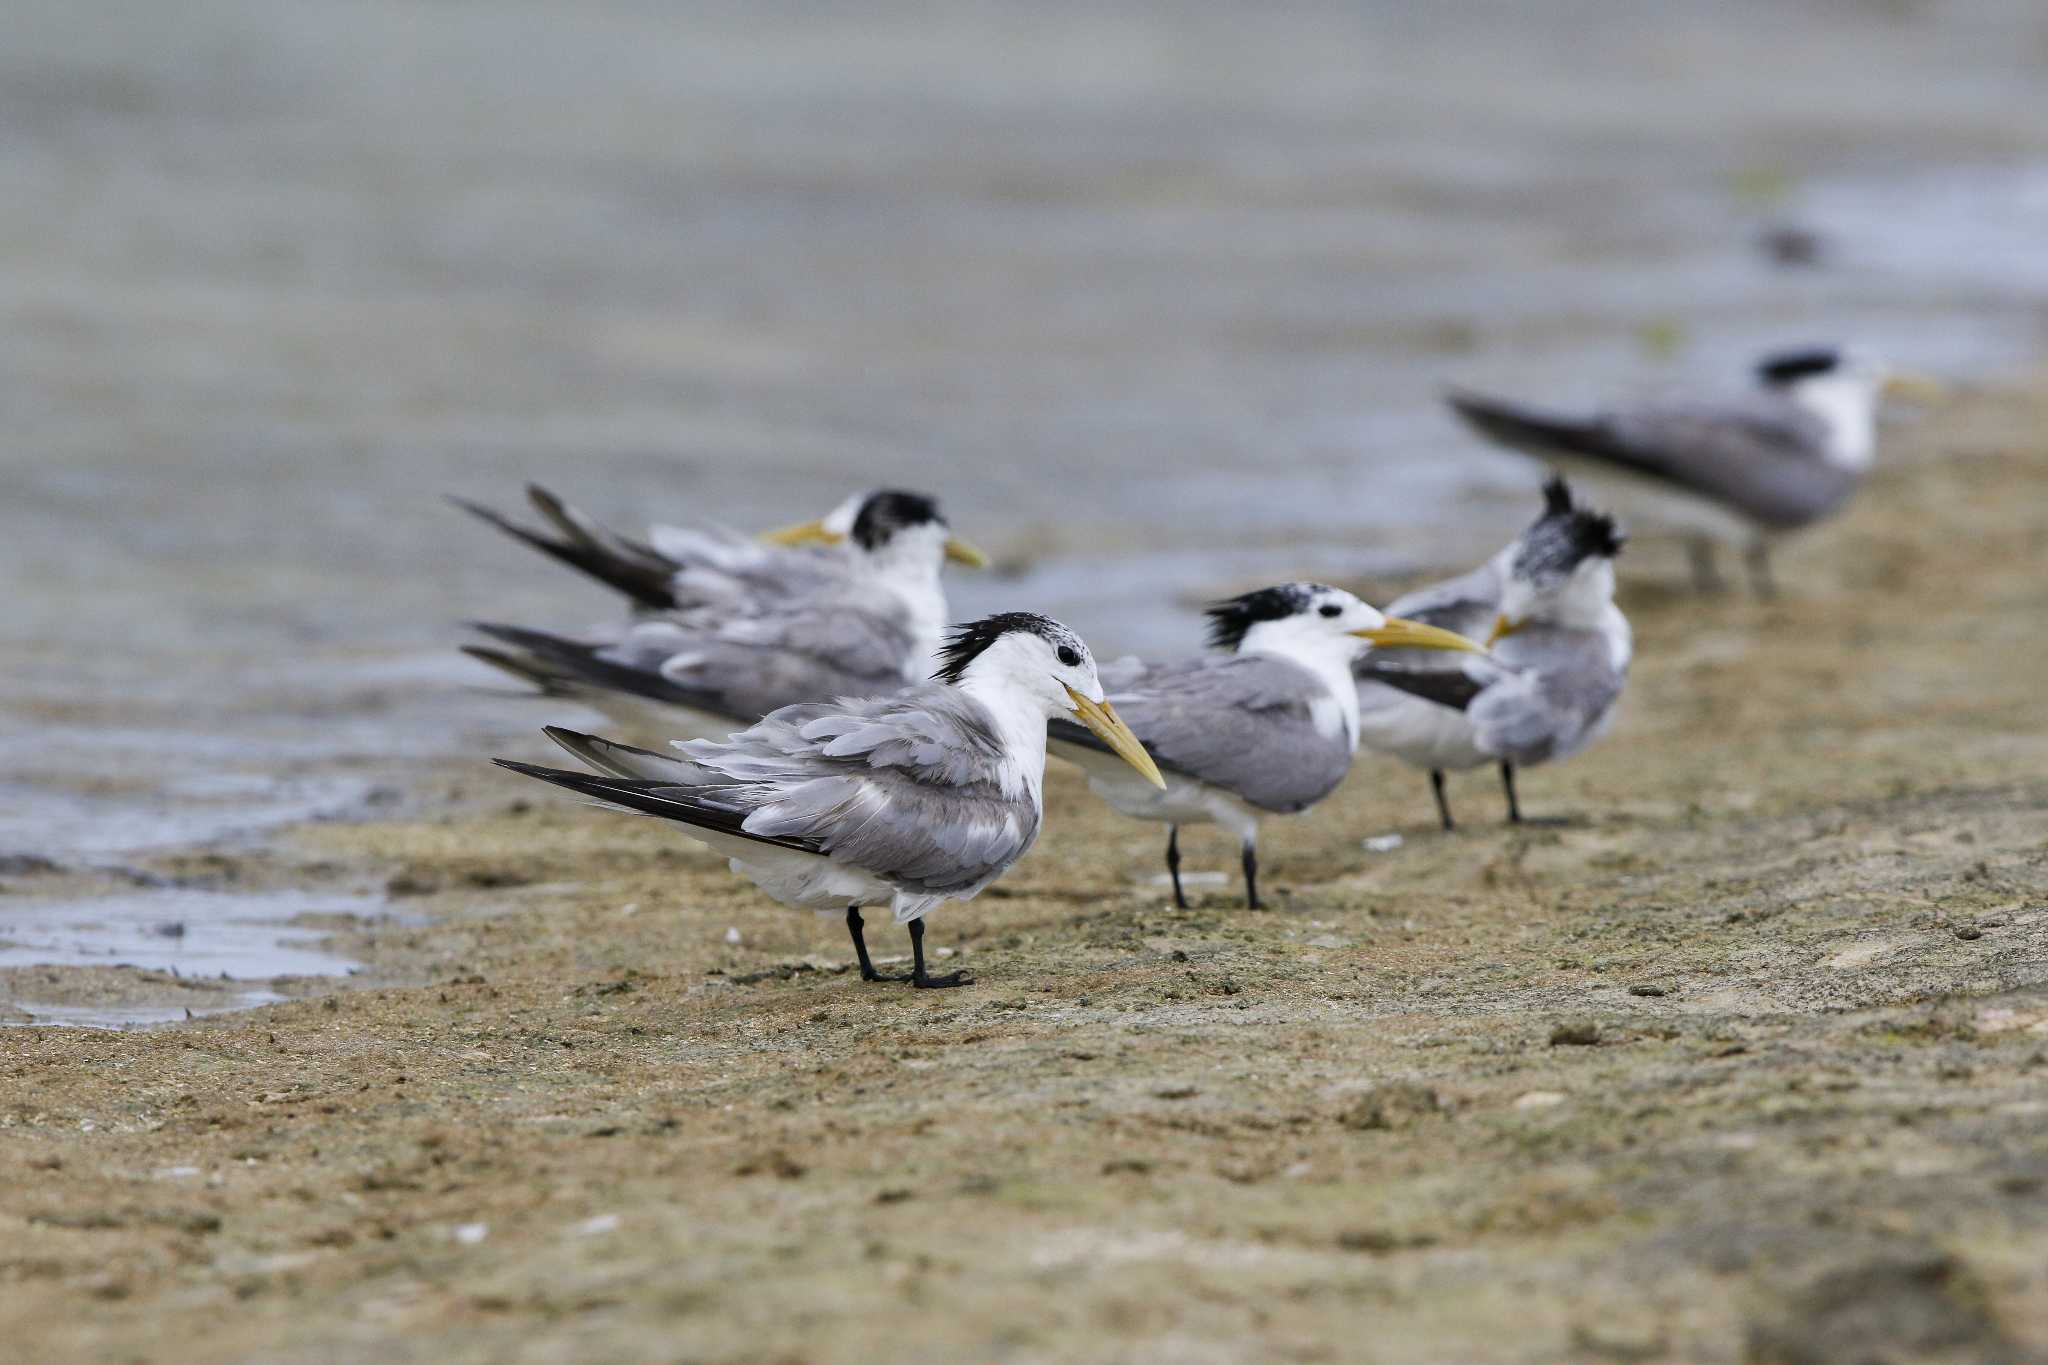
(1101, 717)
(1398, 633)
(1916, 388)
(804, 533)
(1501, 626)
(960, 552)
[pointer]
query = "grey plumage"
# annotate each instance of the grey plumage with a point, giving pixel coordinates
(1242, 722)
(907, 788)
(1549, 684)
(738, 668)
(1269, 730)
(1542, 695)
(1764, 456)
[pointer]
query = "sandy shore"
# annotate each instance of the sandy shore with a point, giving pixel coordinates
(1741, 1054)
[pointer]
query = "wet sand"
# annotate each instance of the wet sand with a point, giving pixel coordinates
(1739, 1053)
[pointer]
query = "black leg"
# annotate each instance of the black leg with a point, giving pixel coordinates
(1705, 577)
(1180, 900)
(1251, 876)
(1507, 782)
(1443, 804)
(860, 947)
(918, 976)
(1758, 561)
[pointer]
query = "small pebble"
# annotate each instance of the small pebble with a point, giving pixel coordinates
(732, 934)
(1383, 843)
(1646, 989)
(1968, 931)
(1577, 1033)
(469, 1234)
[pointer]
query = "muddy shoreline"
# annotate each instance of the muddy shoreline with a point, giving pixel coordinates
(1742, 1054)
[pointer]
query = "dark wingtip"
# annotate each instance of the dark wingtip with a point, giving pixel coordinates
(1557, 495)
(475, 509)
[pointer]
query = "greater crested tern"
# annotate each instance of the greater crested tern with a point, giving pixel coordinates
(882, 546)
(908, 800)
(1269, 729)
(1559, 654)
(1742, 472)
(736, 645)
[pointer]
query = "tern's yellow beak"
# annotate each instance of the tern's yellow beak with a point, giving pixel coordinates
(1501, 626)
(960, 552)
(805, 533)
(1916, 388)
(1101, 717)
(1400, 634)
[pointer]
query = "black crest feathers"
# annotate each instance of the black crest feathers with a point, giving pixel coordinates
(1557, 496)
(1232, 617)
(1789, 367)
(966, 643)
(882, 514)
(1565, 535)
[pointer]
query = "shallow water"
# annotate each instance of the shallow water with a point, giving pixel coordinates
(249, 939)
(1158, 299)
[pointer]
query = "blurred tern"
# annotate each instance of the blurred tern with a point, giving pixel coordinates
(803, 628)
(1742, 472)
(1560, 652)
(907, 801)
(885, 546)
(1269, 729)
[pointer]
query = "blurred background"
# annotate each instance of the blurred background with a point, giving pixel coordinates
(1157, 298)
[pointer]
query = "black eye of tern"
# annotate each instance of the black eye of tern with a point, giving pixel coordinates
(1069, 657)
(1331, 609)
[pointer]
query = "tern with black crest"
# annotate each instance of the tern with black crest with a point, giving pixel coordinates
(888, 537)
(1744, 472)
(735, 639)
(1268, 729)
(1559, 651)
(909, 800)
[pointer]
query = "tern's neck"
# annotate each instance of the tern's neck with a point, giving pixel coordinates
(1018, 719)
(909, 573)
(1324, 654)
(1846, 404)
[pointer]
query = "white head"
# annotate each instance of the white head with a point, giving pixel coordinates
(1314, 623)
(1560, 571)
(898, 536)
(1839, 385)
(1301, 621)
(1021, 661)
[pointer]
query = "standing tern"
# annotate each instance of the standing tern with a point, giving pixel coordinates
(886, 544)
(786, 632)
(908, 800)
(1741, 472)
(1559, 646)
(1269, 729)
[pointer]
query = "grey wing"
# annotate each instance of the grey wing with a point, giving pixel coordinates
(715, 566)
(1552, 702)
(1454, 685)
(1765, 457)
(1243, 722)
(910, 787)
(757, 663)
(1467, 604)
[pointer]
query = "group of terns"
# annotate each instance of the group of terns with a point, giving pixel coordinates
(845, 750)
